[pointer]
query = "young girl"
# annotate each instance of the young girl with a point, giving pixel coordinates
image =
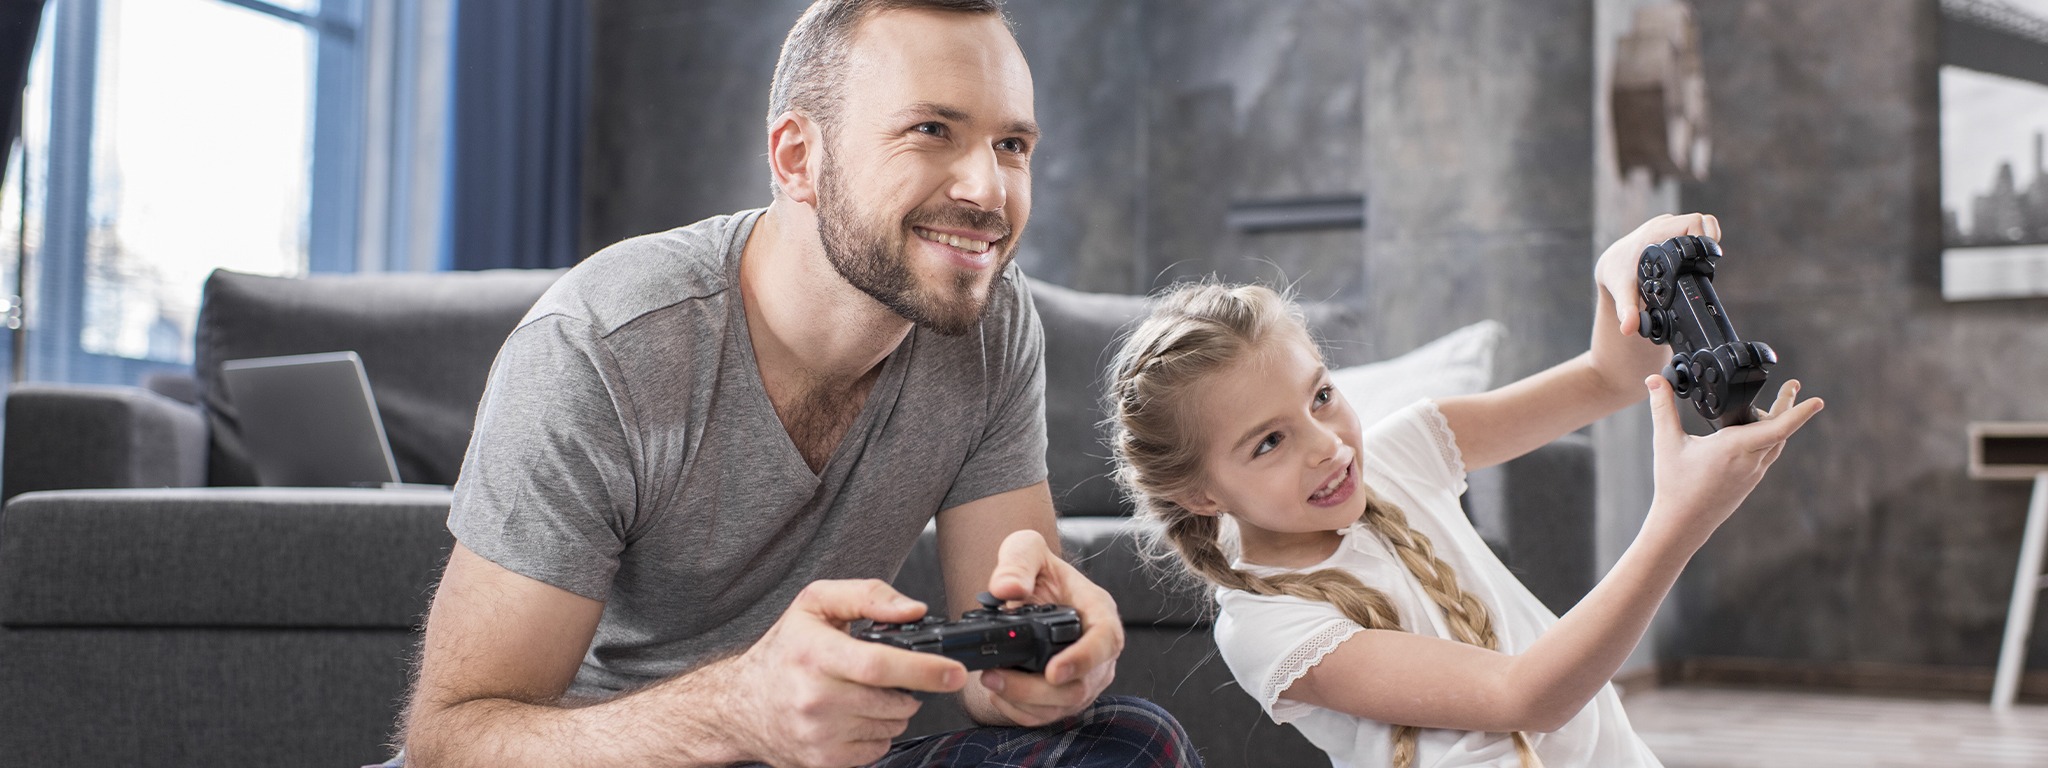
(1355, 600)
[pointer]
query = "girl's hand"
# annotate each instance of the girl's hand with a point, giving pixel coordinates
(1620, 354)
(1701, 480)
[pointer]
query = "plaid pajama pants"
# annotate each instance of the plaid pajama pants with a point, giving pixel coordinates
(1114, 732)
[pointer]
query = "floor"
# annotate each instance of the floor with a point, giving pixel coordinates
(1748, 728)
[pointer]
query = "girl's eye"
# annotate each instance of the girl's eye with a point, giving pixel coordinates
(1323, 395)
(1272, 441)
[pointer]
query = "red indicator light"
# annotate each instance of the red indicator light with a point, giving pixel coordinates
(1013, 633)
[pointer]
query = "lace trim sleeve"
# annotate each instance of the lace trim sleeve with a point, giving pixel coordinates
(1299, 661)
(1440, 433)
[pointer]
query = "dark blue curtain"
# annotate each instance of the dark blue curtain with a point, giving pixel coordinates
(515, 176)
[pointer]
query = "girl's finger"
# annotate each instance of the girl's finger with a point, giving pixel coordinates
(1787, 393)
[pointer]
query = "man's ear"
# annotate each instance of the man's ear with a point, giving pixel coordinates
(795, 153)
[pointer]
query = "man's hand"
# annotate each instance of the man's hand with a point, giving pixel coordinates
(1027, 571)
(809, 694)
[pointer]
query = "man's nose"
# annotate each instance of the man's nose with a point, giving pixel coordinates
(978, 181)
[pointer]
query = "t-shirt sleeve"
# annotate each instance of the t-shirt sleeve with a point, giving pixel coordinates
(547, 487)
(1415, 444)
(1011, 451)
(1270, 641)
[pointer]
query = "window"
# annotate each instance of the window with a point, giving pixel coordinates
(166, 138)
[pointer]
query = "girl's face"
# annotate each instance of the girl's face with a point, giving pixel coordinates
(1279, 447)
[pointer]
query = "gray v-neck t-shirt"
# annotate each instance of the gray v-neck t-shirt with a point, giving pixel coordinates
(626, 451)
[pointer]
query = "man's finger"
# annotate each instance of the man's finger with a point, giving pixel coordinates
(885, 704)
(1097, 645)
(845, 601)
(1032, 693)
(882, 666)
(1019, 562)
(1712, 226)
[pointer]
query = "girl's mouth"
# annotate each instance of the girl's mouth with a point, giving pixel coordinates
(1338, 490)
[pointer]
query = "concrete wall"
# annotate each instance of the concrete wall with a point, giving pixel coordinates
(1158, 115)
(1479, 200)
(1867, 543)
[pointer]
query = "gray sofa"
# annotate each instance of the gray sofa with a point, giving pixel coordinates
(155, 612)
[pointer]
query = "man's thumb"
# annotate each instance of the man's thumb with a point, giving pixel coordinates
(840, 602)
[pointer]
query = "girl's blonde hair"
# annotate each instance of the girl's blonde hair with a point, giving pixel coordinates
(1194, 331)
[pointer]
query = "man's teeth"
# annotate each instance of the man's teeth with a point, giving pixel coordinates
(975, 246)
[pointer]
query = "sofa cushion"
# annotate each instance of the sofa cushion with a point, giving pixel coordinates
(1081, 333)
(222, 557)
(1458, 363)
(426, 339)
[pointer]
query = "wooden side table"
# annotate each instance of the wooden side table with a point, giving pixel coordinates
(2016, 451)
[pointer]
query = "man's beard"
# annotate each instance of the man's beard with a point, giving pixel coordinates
(877, 261)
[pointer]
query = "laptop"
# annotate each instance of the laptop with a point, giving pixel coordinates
(310, 421)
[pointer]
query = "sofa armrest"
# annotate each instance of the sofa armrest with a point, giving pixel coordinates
(62, 436)
(222, 557)
(1538, 514)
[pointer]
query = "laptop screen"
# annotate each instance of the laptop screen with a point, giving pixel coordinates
(310, 420)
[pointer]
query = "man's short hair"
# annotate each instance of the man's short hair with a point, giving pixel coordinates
(812, 69)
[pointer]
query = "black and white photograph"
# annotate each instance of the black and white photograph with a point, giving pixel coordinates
(1994, 133)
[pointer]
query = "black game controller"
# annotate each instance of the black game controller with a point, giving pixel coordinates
(1024, 637)
(1718, 370)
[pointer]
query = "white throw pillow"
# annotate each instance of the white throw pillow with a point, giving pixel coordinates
(1458, 363)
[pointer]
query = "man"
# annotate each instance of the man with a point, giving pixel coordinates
(702, 450)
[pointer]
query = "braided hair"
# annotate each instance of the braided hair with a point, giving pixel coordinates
(1194, 331)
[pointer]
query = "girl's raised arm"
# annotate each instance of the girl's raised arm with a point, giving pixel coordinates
(1501, 424)
(1406, 679)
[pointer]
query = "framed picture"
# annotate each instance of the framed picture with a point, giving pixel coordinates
(1994, 149)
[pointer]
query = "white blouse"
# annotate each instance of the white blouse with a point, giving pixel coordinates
(1411, 459)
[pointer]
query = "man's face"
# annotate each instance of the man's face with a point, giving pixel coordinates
(925, 183)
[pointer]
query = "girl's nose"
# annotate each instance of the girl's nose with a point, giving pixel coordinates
(1330, 447)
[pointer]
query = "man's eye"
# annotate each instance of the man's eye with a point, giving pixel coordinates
(930, 129)
(1272, 441)
(1013, 146)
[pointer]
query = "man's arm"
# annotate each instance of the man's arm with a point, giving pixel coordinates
(1007, 545)
(499, 652)
(501, 649)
